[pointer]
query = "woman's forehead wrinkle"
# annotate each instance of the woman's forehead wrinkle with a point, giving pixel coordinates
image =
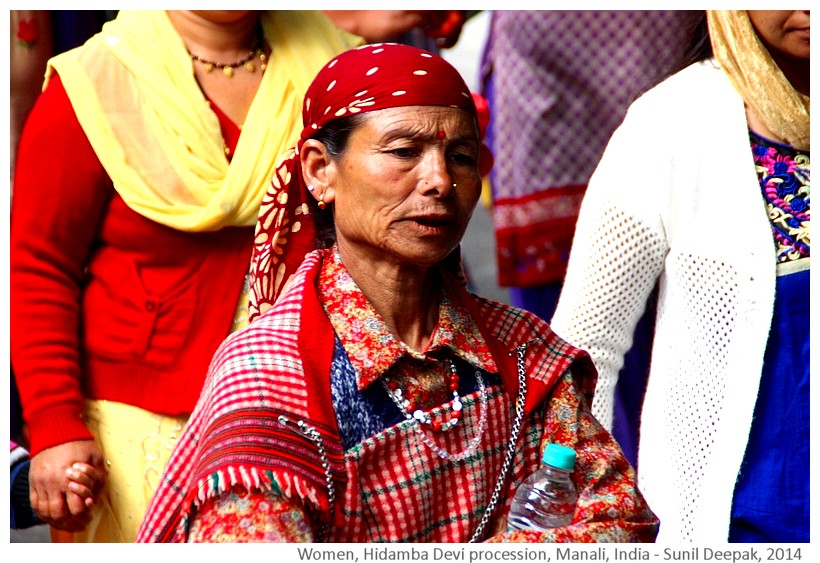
(428, 126)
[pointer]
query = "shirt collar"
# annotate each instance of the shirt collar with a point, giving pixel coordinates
(371, 347)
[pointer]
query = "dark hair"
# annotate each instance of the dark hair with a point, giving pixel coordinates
(335, 133)
(334, 136)
(699, 47)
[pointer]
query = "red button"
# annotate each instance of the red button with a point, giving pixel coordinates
(150, 305)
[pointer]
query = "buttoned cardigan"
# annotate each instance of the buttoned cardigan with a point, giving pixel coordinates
(105, 303)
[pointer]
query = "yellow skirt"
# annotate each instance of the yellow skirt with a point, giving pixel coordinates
(135, 446)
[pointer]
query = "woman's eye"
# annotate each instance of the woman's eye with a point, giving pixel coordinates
(464, 158)
(404, 152)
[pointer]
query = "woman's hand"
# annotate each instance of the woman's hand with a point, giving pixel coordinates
(51, 496)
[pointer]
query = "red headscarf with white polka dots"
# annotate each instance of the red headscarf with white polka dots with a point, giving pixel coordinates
(369, 78)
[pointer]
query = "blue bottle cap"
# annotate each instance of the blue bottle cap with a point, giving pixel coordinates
(559, 456)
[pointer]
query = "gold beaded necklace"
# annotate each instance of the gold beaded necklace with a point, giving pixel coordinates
(228, 69)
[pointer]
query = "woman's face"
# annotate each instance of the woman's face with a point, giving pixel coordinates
(406, 185)
(784, 31)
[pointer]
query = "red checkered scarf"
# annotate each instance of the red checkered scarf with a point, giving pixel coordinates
(279, 366)
(369, 78)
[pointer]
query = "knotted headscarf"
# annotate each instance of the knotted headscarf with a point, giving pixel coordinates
(757, 78)
(369, 78)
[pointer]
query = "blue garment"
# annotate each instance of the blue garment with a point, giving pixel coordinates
(72, 28)
(22, 516)
(771, 500)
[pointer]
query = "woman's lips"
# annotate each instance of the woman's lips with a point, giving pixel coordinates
(433, 223)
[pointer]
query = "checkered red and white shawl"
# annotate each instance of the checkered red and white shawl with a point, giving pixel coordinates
(392, 488)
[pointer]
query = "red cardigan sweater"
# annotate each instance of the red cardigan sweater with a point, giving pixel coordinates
(106, 304)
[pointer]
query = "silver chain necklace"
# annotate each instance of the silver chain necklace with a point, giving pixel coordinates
(510, 453)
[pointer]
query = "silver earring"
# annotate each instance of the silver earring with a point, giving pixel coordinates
(310, 188)
(455, 185)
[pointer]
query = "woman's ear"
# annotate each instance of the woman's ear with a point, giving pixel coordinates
(318, 169)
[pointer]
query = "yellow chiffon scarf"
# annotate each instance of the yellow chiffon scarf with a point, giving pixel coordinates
(757, 78)
(133, 90)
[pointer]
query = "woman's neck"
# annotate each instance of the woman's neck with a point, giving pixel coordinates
(218, 41)
(222, 37)
(407, 298)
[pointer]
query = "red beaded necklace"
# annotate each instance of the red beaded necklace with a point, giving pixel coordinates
(410, 405)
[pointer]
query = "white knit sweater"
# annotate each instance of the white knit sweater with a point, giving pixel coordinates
(676, 200)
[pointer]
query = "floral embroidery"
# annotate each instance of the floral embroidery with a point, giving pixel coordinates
(274, 229)
(257, 517)
(783, 173)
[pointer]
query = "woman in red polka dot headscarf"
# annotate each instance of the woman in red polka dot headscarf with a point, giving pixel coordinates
(373, 398)
(360, 81)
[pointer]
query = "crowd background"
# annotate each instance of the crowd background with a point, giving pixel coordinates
(40, 40)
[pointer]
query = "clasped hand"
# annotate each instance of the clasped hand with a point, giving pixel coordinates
(65, 482)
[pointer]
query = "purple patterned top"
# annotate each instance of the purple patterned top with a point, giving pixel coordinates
(559, 82)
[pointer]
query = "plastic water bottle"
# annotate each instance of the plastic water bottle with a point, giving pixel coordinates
(547, 498)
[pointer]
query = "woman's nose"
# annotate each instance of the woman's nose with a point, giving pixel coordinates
(435, 175)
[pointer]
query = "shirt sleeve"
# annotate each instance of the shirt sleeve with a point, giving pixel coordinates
(610, 507)
(60, 194)
(237, 516)
(617, 255)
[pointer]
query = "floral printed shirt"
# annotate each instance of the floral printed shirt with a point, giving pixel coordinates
(368, 355)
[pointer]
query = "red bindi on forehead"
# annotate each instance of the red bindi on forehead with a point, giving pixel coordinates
(441, 135)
